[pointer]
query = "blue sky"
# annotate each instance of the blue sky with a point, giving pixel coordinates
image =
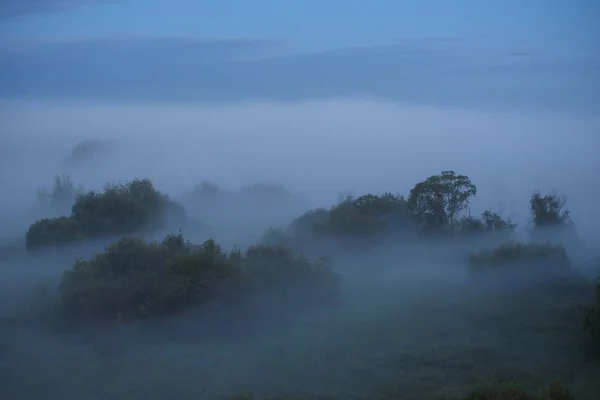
(505, 52)
(552, 25)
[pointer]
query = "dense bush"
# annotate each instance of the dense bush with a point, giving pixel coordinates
(135, 279)
(490, 223)
(121, 209)
(434, 207)
(118, 210)
(53, 231)
(363, 220)
(551, 221)
(531, 260)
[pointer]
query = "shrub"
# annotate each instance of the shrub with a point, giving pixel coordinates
(548, 210)
(306, 224)
(530, 260)
(556, 391)
(138, 279)
(53, 231)
(277, 267)
(119, 210)
(489, 223)
(361, 217)
(135, 279)
(552, 221)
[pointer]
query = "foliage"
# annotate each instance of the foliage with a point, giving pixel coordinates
(548, 210)
(306, 224)
(365, 216)
(439, 201)
(53, 231)
(490, 222)
(523, 264)
(551, 221)
(515, 254)
(135, 279)
(120, 209)
(510, 391)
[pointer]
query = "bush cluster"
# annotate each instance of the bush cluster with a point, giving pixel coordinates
(53, 231)
(523, 260)
(118, 210)
(136, 279)
(434, 208)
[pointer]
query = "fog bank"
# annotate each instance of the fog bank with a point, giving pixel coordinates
(320, 148)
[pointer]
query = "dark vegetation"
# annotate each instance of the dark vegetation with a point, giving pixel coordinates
(139, 279)
(134, 279)
(119, 210)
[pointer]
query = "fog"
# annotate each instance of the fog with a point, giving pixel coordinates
(409, 324)
(319, 148)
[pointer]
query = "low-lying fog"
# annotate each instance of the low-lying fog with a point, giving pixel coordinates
(406, 338)
(317, 148)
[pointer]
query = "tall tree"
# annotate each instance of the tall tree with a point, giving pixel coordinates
(439, 200)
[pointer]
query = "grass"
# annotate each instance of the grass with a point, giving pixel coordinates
(402, 340)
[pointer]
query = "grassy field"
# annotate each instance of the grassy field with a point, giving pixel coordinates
(389, 338)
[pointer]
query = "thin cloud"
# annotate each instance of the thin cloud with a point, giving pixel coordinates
(456, 72)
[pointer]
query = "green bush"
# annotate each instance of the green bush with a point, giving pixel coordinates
(52, 232)
(515, 258)
(121, 209)
(511, 253)
(135, 279)
(489, 223)
(556, 391)
(364, 217)
(118, 210)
